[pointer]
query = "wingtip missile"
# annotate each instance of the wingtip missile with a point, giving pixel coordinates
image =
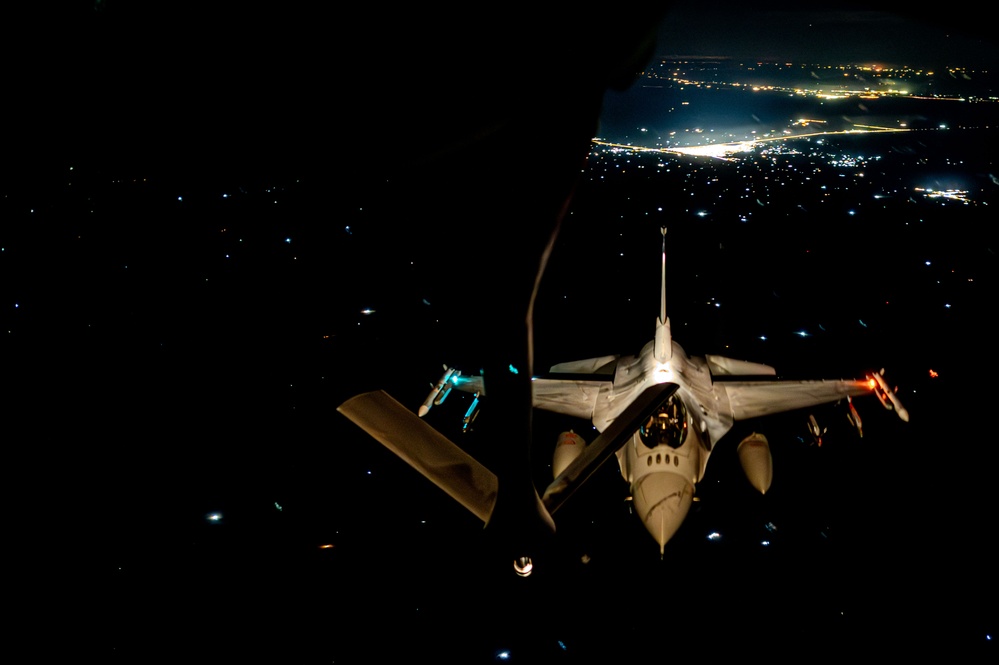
(438, 391)
(815, 430)
(887, 396)
(854, 417)
(470, 414)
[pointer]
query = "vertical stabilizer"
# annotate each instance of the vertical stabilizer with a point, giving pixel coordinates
(664, 340)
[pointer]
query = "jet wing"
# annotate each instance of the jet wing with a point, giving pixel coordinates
(572, 388)
(762, 397)
(569, 395)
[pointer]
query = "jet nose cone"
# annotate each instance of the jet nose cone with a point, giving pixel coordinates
(662, 501)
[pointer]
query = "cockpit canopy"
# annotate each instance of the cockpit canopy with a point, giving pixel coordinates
(668, 426)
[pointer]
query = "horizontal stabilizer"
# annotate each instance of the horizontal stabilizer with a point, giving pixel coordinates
(425, 449)
(601, 365)
(609, 442)
(721, 366)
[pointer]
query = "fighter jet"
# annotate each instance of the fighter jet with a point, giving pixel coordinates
(661, 412)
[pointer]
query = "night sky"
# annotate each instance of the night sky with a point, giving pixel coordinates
(218, 226)
(874, 33)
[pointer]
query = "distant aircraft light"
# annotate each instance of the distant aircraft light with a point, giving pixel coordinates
(765, 543)
(503, 655)
(367, 310)
(214, 517)
(714, 535)
(801, 333)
